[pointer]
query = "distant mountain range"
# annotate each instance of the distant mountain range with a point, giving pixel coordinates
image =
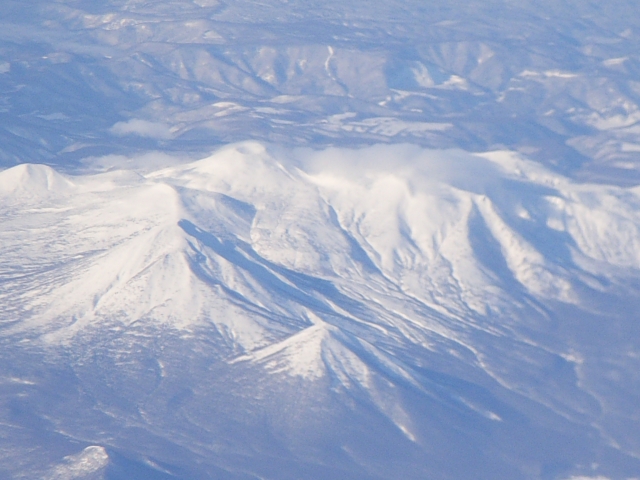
(554, 80)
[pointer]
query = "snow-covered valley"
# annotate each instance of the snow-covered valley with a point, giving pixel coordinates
(555, 80)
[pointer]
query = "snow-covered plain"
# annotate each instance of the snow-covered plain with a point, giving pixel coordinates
(319, 240)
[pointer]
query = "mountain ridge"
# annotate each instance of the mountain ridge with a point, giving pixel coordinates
(378, 277)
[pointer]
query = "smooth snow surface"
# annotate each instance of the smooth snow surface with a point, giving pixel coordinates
(382, 312)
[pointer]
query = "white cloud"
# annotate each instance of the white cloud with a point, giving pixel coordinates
(418, 167)
(146, 162)
(143, 128)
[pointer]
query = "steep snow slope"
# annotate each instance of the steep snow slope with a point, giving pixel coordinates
(275, 313)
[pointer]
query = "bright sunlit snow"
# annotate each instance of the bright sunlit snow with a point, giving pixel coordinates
(319, 240)
(350, 273)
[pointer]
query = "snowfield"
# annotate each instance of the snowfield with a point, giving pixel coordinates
(340, 313)
(319, 240)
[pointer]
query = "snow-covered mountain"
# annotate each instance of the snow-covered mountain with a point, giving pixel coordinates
(382, 312)
(413, 253)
